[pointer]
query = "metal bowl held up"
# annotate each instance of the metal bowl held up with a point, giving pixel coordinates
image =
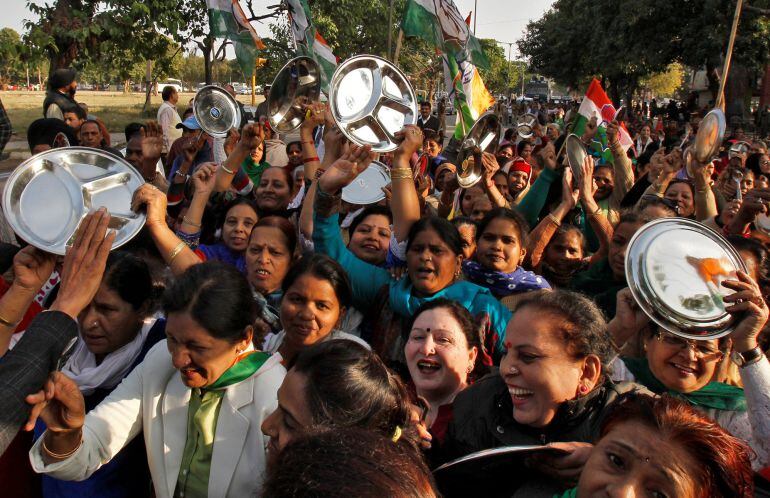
(576, 154)
(711, 131)
(367, 187)
(48, 195)
(297, 84)
(526, 125)
(371, 100)
(483, 136)
(675, 268)
(216, 110)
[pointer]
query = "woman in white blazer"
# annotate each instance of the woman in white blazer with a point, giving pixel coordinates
(199, 398)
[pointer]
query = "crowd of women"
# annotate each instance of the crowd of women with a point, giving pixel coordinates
(261, 337)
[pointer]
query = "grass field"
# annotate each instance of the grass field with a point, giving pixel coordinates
(116, 109)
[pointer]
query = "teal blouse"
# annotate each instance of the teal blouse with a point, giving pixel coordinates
(367, 279)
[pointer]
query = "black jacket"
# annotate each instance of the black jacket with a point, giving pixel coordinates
(65, 102)
(483, 419)
(432, 123)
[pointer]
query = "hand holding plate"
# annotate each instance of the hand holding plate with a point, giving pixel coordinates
(154, 202)
(410, 140)
(548, 155)
(569, 195)
(84, 264)
(346, 169)
(747, 300)
(315, 115)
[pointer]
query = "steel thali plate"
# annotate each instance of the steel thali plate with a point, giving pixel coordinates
(367, 187)
(48, 195)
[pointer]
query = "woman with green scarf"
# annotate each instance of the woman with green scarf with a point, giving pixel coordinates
(691, 369)
(256, 163)
(204, 384)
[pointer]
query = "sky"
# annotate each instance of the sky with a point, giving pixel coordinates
(503, 20)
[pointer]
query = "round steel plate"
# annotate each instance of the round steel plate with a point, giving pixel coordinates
(711, 131)
(367, 187)
(216, 111)
(483, 136)
(48, 195)
(298, 83)
(576, 154)
(371, 100)
(675, 268)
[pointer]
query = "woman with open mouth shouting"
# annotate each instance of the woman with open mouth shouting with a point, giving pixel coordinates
(434, 253)
(690, 369)
(442, 354)
(552, 388)
(204, 383)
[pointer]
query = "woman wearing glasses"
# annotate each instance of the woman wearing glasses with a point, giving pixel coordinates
(691, 369)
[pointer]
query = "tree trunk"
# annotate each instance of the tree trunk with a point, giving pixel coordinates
(148, 86)
(126, 86)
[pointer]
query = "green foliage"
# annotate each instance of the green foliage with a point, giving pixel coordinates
(667, 83)
(625, 41)
(11, 64)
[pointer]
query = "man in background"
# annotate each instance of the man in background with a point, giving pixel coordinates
(168, 117)
(60, 96)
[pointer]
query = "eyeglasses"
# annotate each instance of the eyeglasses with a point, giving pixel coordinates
(702, 349)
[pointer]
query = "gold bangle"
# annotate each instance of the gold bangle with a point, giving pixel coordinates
(175, 252)
(401, 173)
(554, 219)
(62, 456)
(7, 323)
(185, 220)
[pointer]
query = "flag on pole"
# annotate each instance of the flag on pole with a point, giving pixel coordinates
(466, 88)
(597, 104)
(227, 20)
(309, 42)
(440, 23)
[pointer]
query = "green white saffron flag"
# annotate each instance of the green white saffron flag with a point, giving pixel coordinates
(227, 20)
(440, 23)
(309, 42)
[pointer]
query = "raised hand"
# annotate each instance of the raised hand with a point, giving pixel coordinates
(32, 267)
(192, 147)
(548, 156)
(152, 142)
(490, 166)
(233, 137)
(569, 194)
(60, 404)
(590, 130)
(315, 115)
(154, 202)
(587, 185)
(204, 178)
(613, 131)
(749, 305)
(251, 136)
(410, 141)
(628, 314)
(346, 169)
(84, 263)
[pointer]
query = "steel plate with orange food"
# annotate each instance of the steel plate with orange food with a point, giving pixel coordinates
(675, 268)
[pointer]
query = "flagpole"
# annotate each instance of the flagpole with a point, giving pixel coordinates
(399, 40)
(728, 56)
(475, 14)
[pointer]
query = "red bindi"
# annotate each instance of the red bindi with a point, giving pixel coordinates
(508, 345)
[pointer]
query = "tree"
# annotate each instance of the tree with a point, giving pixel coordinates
(11, 65)
(667, 83)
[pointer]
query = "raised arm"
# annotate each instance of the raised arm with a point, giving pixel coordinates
(489, 162)
(596, 219)
(405, 203)
(203, 183)
(622, 167)
(316, 116)
(250, 138)
(543, 232)
(705, 201)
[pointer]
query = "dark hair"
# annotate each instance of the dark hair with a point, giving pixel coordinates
(582, 326)
(752, 164)
(167, 92)
(349, 386)
(723, 461)
(445, 230)
(133, 129)
(520, 146)
(566, 229)
(506, 214)
(508, 134)
(77, 111)
(471, 329)
(323, 267)
(328, 463)
(425, 103)
(217, 296)
(130, 278)
(671, 207)
(633, 216)
(294, 142)
(372, 210)
(187, 112)
(459, 221)
(432, 135)
(93, 122)
(286, 174)
(760, 253)
(287, 229)
(238, 201)
(678, 181)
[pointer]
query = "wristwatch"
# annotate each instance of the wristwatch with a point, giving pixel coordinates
(747, 357)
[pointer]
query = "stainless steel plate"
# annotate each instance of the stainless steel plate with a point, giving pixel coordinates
(483, 136)
(297, 83)
(371, 100)
(48, 195)
(576, 154)
(711, 131)
(216, 111)
(675, 268)
(367, 187)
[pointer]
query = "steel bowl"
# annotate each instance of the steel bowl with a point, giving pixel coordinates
(297, 84)
(483, 136)
(576, 154)
(711, 131)
(367, 187)
(371, 100)
(48, 195)
(675, 268)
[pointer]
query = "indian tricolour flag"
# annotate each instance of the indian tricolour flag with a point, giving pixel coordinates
(441, 24)
(468, 92)
(227, 20)
(309, 42)
(597, 104)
